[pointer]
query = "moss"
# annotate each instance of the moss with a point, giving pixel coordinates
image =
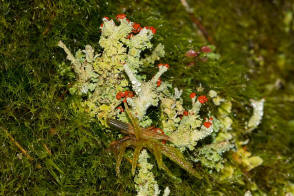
(256, 48)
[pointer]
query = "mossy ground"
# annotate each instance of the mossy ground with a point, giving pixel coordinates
(257, 61)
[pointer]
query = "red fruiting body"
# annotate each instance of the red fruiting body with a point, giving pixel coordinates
(190, 64)
(192, 95)
(101, 25)
(129, 94)
(162, 132)
(186, 113)
(205, 49)
(210, 118)
(120, 16)
(118, 96)
(136, 28)
(105, 17)
(158, 130)
(166, 65)
(207, 124)
(120, 108)
(158, 82)
(122, 94)
(152, 29)
(125, 100)
(202, 99)
(191, 53)
(130, 35)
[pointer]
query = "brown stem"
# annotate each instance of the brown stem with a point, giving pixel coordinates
(52, 8)
(201, 28)
(17, 144)
(197, 22)
(47, 149)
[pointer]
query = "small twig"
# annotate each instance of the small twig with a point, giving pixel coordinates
(197, 22)
(52, 8)
(49, 25)
(201, 28)
(17, 144)
(47, 149)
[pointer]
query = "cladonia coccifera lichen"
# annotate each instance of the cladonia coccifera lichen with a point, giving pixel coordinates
(108, 78)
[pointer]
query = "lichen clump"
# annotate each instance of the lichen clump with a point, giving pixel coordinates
(110, 77)
(145, 180)
(101, 76)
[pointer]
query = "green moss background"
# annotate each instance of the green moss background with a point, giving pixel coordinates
(256, 43)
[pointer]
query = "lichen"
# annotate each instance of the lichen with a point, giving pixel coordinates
(211, 156)
(113, 76)
(185, 127)
(145, 180)
(245, 158)
(257, 115)
(147, 92)
(36, 107)
(99, 77)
